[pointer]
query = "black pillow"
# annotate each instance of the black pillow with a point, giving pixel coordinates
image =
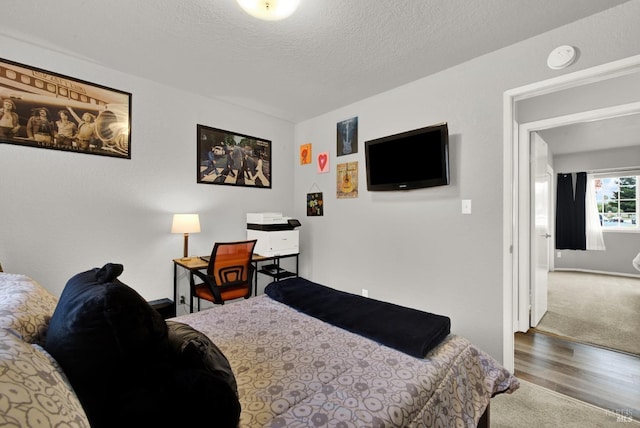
(204, 377)
(112, 346)
(191, 349)
(115, 350)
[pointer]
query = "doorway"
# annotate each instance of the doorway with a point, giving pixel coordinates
(532, 285)
(517, 184)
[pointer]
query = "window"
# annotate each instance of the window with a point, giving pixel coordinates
(617, 200)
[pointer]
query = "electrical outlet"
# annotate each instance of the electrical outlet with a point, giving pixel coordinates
(182, 301)
(365, 292)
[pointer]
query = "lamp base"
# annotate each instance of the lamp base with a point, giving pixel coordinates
(185, 253)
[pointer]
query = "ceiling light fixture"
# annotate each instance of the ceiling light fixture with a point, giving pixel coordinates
(269, 10)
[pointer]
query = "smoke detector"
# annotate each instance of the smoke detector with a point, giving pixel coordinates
(561, 57)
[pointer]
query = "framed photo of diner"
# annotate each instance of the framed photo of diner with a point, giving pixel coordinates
(233, 159)
(43, 109)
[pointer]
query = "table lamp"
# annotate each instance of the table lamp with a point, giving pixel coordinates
(185, 223)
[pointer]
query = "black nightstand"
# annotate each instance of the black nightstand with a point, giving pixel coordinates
(165, 307)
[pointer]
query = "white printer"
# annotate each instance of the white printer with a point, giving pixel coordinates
(275, 233)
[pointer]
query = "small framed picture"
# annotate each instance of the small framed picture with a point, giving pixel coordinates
(305, 154)
(323, 162)
(233, 159)
(347, 137)
(347, 180)
(315, 204)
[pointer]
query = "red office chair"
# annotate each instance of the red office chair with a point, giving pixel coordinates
(229, 274)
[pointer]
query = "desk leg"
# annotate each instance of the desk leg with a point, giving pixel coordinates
(175, 288)
(191, 285)
(255, 278)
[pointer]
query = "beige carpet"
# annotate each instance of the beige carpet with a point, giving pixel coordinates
(534, 406)
(598, 309)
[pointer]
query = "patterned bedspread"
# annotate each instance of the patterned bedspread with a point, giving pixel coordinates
(297, 371)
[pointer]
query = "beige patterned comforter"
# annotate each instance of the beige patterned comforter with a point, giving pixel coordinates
(296, 371)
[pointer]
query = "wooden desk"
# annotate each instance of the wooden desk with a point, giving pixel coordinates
(273, 270)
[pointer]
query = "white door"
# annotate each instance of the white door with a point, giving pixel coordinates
(541, 229)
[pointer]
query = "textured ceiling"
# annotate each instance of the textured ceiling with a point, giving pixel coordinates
(328, 54)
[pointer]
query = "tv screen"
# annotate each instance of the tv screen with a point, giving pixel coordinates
(410, 160)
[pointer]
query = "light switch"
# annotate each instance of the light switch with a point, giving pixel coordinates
(466, 206)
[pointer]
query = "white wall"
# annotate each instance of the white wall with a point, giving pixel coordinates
(621, 157)
(62, 213)
(610, 92)
(416, 248)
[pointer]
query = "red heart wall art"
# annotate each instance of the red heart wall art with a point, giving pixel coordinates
(323, 162)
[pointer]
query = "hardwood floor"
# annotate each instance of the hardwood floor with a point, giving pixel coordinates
(607, 379)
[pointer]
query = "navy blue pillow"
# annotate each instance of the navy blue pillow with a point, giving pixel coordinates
(192, 349)
(115, 350)
(203, 375)
(111, 344)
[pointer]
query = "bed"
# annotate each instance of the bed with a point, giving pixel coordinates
(297, 370)
(101, 356)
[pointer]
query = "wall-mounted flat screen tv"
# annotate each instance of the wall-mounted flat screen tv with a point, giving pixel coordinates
(409, 160)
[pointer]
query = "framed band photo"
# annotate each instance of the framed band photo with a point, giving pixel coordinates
(42, 109)
(233, 159)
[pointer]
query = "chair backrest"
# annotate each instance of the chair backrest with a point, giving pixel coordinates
(230, 262)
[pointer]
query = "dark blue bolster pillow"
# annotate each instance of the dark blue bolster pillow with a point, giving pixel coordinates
(408, 330)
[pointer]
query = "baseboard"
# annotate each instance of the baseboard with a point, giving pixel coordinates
(598, 272)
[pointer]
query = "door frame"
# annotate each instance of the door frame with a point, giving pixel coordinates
(516, 189)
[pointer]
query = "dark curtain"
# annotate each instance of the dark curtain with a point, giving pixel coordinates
(570, 212)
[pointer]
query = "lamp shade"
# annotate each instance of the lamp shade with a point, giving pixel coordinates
(185, 223)
(269, 10)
